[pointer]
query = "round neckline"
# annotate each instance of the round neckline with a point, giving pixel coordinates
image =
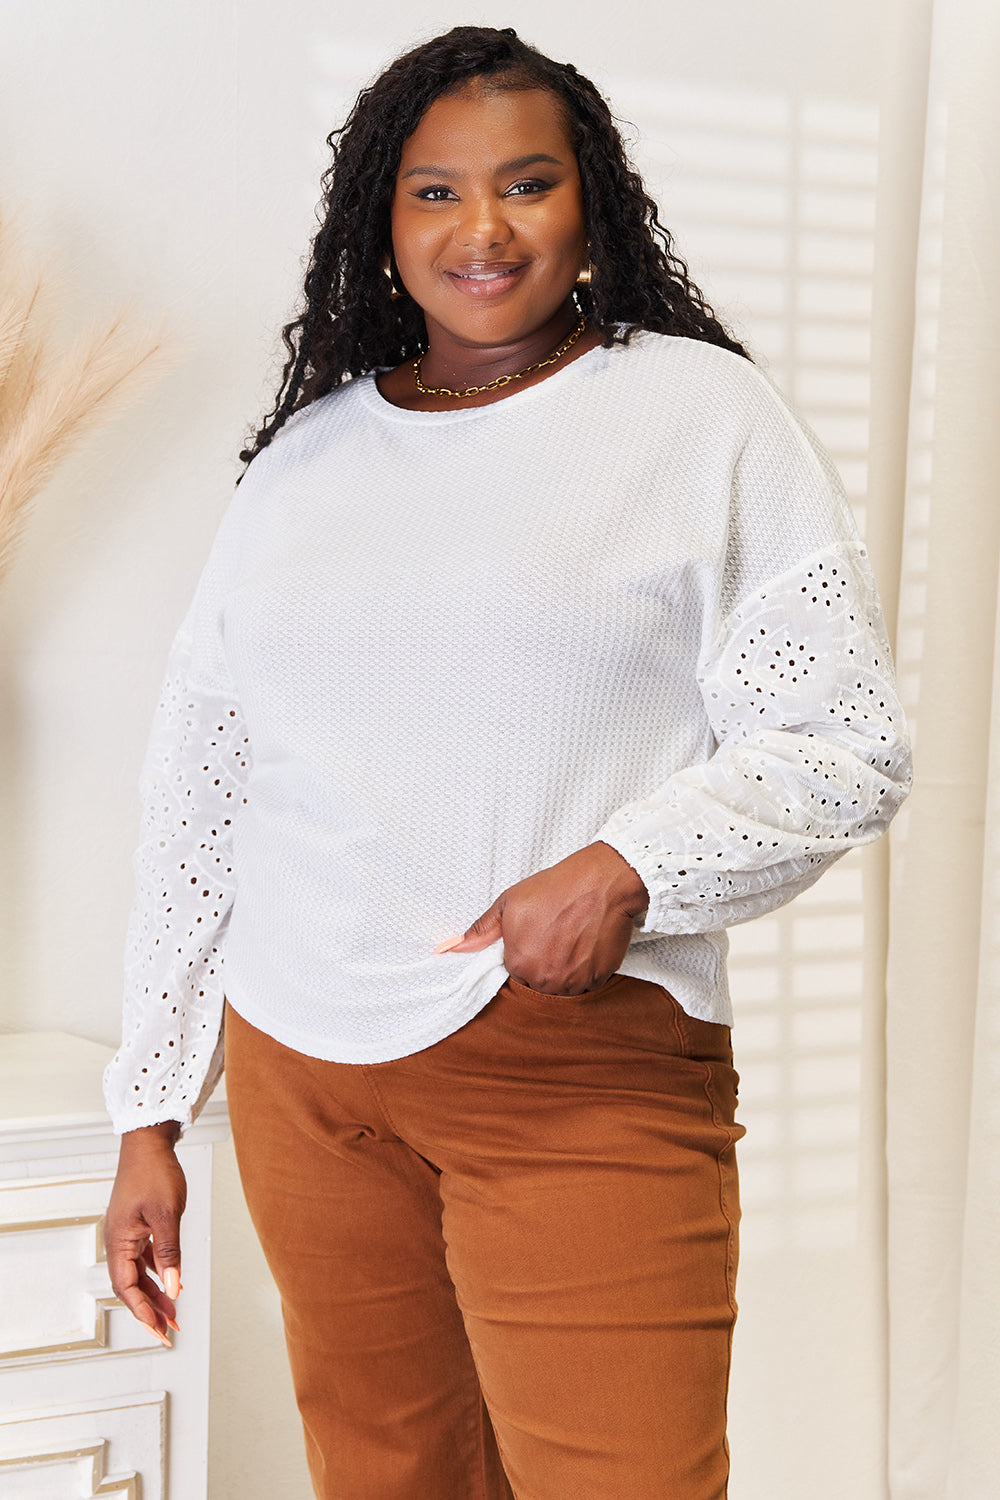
(368, 390)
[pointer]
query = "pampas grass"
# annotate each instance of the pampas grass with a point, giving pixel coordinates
(50, 398)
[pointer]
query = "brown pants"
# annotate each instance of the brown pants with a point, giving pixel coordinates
(507, 1262)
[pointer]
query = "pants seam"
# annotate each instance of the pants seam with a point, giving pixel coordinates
(379, 1100)
(731, 1139)
(479, 1440)
(476, 1400)
(484, 1414)
(677, 1013)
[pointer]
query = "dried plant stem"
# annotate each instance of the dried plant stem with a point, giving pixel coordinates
(49, 402)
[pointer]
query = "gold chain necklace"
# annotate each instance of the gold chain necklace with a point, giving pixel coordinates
(501, 380)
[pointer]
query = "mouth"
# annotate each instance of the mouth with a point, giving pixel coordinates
(486, 279)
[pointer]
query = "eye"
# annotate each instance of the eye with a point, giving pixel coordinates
(437, 194)
(526, 186)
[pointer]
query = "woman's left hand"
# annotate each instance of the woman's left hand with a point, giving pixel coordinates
(566, 929)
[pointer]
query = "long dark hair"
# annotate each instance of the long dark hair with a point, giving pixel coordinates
(348, 324)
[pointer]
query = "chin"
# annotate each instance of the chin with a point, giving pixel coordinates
(496, 325)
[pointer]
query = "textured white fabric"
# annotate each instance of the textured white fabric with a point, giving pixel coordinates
(434, 652)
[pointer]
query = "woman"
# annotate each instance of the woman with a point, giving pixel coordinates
(553, 617)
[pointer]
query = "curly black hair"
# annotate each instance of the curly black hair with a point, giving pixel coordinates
(349, 326)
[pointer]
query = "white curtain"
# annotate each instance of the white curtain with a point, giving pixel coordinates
(943, 968)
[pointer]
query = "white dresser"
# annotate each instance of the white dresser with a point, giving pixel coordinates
(90, 1404)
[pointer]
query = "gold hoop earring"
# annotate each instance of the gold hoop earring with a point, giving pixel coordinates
(586, 275)
(394, 292)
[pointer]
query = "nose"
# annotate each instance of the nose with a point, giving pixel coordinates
(483, 225)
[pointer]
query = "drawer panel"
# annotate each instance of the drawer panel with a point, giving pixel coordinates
(57, 1301)
(113, 1448)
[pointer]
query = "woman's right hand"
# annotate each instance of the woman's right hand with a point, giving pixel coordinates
(142, 1225)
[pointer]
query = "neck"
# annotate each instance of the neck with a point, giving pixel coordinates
(452, 362)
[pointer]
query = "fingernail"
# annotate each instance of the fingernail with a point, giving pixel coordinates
(450, 943)
(171, 1281)
(175, 1326)
(156, 1334)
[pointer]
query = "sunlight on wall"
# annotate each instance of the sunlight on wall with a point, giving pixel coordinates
(796, 978)
(772, 202)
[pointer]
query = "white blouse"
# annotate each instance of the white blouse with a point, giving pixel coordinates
(433, 652)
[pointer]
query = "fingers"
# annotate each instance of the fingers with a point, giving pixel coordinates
(136, 1290)
(167, 1254)
(485, 930)
(171, 1283)
(168, 1274)
(553, 969)
(147, 1303)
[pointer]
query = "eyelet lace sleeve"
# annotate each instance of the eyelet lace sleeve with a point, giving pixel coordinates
(812, 755)
(797, 683)
(192, 786)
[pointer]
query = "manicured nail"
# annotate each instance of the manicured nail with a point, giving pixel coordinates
(175, 1326)
(155, 1332)
(171, 1282)
(450, 943)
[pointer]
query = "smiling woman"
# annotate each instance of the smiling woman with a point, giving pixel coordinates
(489, 240)
(535, 602)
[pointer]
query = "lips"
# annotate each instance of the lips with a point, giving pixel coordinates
(486, 278)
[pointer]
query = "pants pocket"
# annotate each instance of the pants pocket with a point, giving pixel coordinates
(707, 1041)
(615, 981)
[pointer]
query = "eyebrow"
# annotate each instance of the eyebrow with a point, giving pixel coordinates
(516, 165)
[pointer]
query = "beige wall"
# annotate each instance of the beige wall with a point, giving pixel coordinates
(167, 154)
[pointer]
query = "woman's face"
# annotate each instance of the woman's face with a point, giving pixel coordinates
(487, 218)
